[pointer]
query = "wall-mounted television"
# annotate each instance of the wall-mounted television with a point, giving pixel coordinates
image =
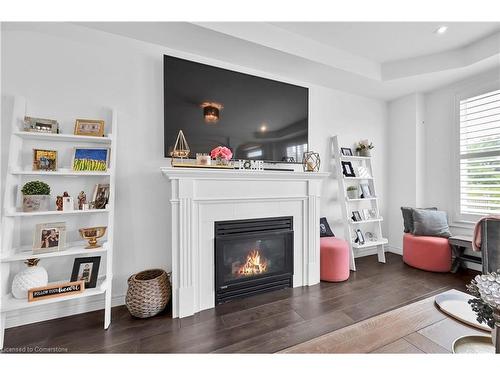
(257, 118)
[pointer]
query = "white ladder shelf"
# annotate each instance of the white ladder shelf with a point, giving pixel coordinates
(12, 251)
(350, 205)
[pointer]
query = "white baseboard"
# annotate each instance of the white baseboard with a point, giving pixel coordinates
(394, 250)
(59, 310)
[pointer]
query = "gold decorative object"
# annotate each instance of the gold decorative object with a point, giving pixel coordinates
(92, 235)
(311, 161)
(181, 148)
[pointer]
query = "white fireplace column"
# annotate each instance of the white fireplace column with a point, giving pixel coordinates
(200, 197)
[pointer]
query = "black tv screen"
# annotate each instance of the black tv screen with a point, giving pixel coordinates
(257, 118)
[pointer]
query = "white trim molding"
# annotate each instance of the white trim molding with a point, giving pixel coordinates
(200, 197)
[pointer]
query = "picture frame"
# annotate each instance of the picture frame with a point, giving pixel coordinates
(347, 169)
(87, 270)
(356, 216)
(346, 151)
(40, 125)
(49, 237)
(44, 160)
(363, 172)
(373, 213)
(100, 196)
(360, 239)
(90, 159)
(366, 214)
(90, 128)
(365, 190)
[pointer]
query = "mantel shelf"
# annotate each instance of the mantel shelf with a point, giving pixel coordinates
(62, 137)
(194, 173)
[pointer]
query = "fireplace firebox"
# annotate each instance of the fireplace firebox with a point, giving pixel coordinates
(252, 256)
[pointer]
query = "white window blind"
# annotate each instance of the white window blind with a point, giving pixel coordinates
(480, 154)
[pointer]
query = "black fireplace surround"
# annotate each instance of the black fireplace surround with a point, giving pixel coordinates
(252, 256)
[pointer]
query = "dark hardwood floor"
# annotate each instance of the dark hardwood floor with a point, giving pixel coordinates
(265, 323)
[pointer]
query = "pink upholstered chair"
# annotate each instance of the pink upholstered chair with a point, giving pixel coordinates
(427, 253)
(334, 259)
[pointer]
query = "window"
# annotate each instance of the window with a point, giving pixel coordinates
(480, 154)
(296, 152)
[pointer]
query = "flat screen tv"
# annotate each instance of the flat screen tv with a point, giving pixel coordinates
(257, 118)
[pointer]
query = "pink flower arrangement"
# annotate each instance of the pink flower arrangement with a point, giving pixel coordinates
(221, 152)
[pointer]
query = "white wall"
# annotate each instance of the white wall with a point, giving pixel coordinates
(68, 71)
(405, 163)
(441, 143)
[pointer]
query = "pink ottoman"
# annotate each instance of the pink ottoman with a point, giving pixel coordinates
(334, 259)
(427, 253)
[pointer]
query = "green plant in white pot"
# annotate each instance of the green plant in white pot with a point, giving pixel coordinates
(363, 147)
(36, 196)
(352, 192)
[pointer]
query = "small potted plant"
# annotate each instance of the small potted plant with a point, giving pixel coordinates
(222, 155)
(352, 192)
(363, 147)
(36, 196)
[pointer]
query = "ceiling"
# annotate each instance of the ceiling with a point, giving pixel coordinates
(384, 60)
(388, 41)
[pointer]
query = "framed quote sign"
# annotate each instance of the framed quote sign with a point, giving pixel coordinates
(56, 290)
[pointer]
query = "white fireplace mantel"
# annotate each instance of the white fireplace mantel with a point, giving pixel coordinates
(200, 197)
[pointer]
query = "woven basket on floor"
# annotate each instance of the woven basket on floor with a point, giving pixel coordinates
(148, 293)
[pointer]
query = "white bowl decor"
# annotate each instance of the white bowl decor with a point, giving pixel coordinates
(32, 277)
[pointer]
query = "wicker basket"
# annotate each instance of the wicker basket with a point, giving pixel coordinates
(148, 293)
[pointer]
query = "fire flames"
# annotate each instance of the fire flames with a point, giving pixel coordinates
(254, 265)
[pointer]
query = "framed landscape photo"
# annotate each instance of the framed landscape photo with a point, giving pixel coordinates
(90, 159)
(87, 270)
(347, 169)
(49, 237)
(100, 198)
(92, 128)
(44, 160)
(346, 151)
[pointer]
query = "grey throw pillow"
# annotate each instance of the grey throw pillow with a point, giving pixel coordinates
(408, 218)
(430, 223)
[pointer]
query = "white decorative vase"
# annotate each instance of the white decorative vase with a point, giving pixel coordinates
(352, 194)
(364, 152)
(32, 203)
(32, 277)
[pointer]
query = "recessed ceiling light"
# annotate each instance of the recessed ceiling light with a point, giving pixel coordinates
(441, 30)
(263, 128)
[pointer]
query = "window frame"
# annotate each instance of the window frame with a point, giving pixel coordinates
(458, 218)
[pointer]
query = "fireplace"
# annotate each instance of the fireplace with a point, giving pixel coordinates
(252, 256)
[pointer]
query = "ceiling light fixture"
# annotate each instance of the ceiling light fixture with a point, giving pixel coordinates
(441, 30)
(211, 111)
(263, 128)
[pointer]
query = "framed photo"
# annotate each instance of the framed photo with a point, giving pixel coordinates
(365, 191)
(40, 125)
(346, 151)
(87, 270)
(44, 160)
(49, 237)
(363, 172)
(92, 128)
(366, 214)
(356, 216)
(90, 159)
(347, 169)
(373, 213)
(360, 239)
(100, 198)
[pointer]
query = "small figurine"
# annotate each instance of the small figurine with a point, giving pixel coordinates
(82, 200)
(59, 201)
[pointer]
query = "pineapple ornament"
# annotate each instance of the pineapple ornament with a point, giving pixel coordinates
(32, 277)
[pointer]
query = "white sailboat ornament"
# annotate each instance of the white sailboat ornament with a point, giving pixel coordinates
(181, 148)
